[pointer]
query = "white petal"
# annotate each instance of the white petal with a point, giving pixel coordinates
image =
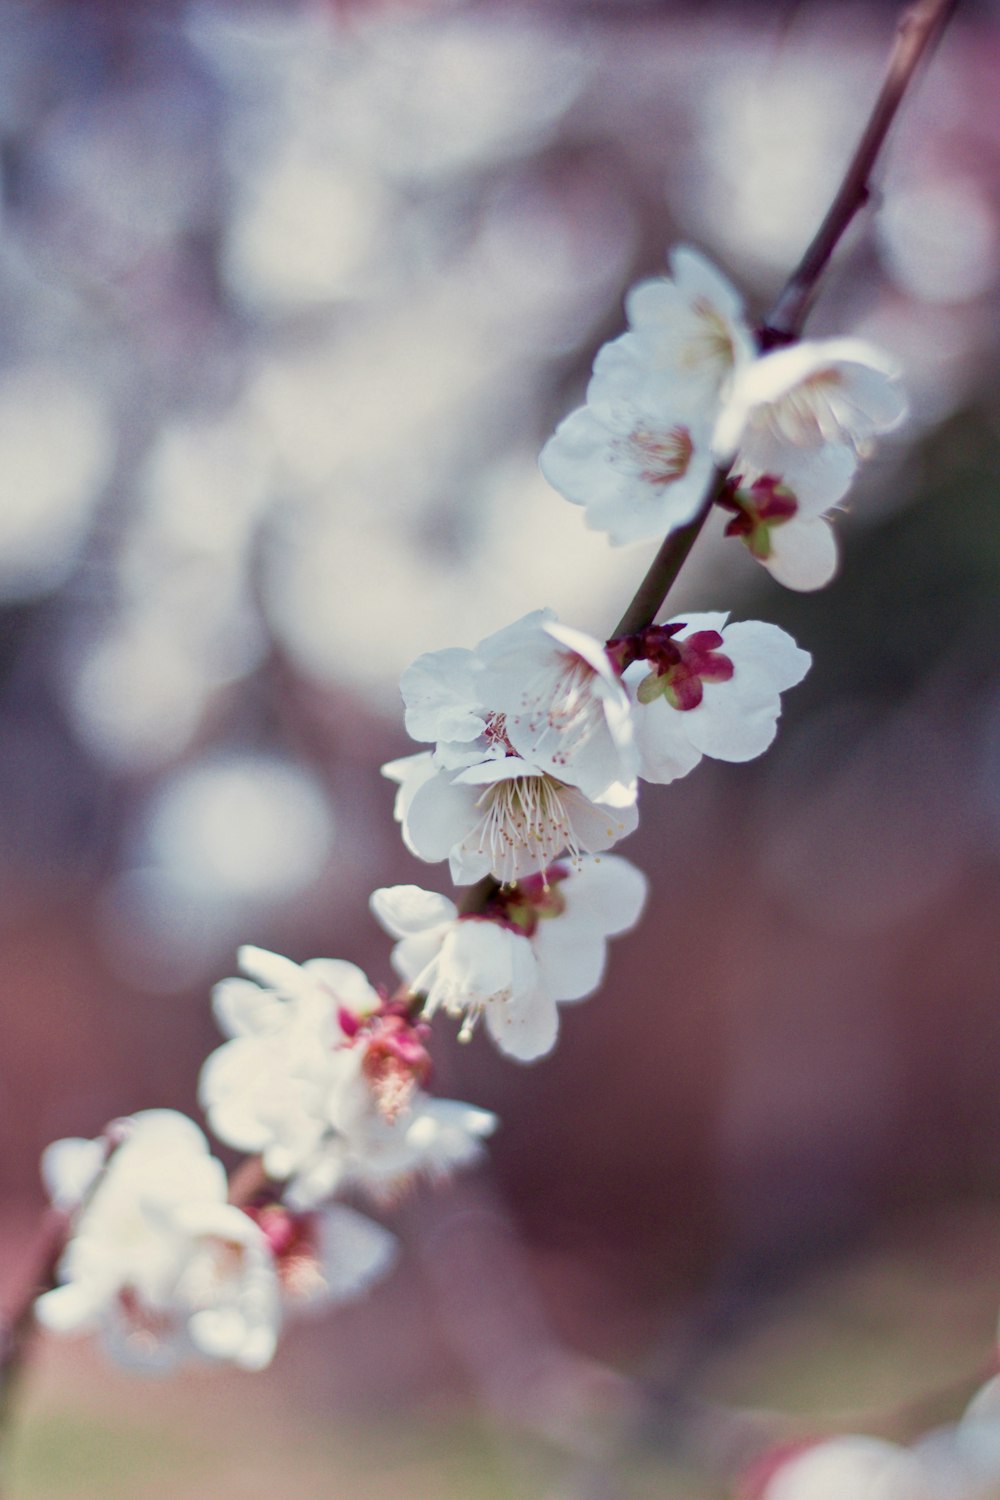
(817, 477)
(440, 813)
(242, 1008)
(765, 649)
(665, 752)
(440, 693)
(270, 969)
(75, 1308)
(803, 554)
(572, 962)
(705, 620)
(479, 959)
(525, 1026)
(70, 1168)
(354, 1252)
(607, 894)
(850, 1468)
(343, 982)
(407, 909)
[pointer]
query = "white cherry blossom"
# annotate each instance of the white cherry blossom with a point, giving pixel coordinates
(819, 392)
(638, 455)
(534, 945)
(561, 701)
(323, 1256)
(323, 1078)
(380, 1152)
(537, 689)
(505, 817)
(707, 688)
(265, 1090)
(157, 1260)
(691, 326)
(638, 468)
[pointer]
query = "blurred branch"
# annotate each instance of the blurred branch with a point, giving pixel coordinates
(919, 28)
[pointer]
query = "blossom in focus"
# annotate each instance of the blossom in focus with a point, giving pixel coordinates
(537, 689)
(703, 687)
(819, 392)
(533, 752)
(638, 455)
(503, 817)
(325, 1079)
(157, 1260)
(534, 944)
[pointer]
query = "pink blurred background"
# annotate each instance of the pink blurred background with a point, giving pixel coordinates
(291, 295)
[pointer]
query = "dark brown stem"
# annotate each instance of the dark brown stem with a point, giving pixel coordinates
(919, 27)
(663, 570)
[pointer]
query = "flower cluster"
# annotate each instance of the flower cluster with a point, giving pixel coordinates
(685, 393)
(960, 1461)
(541, 733)
(325, 1080)
(166, 1268)
(537, 739)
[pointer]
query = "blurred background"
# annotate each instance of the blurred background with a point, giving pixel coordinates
(290, 296)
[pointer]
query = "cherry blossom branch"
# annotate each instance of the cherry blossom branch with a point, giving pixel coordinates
(920, 25)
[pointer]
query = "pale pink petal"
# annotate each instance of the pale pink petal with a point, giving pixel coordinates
(803, 554)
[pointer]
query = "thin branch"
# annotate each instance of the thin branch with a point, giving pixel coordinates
(663, 570)
(919, 27)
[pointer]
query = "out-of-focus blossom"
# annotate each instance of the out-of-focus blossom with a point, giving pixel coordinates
(638, 455)
(157, 1260)
(534, 944)
(56, 452)
(303, 1081)
(861, 1468)
(702, 687)
(840, 391)
(325, 1256)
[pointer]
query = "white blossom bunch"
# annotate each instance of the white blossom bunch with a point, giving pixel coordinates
(686, 390)
(325, 1081)
(166, 1268)
(534, 743)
